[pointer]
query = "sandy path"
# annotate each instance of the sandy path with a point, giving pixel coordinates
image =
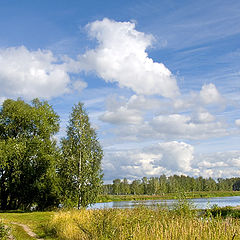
(27, 230)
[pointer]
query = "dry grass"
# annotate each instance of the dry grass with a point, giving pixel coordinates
(140, 224)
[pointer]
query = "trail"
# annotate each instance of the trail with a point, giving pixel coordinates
(27, 230)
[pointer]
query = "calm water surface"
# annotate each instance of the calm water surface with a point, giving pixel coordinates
(201, 203)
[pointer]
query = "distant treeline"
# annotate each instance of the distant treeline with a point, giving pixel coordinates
(171, 184)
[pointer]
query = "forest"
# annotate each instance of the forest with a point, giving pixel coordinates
(172, 184)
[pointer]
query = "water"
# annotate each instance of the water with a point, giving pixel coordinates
(200, 203)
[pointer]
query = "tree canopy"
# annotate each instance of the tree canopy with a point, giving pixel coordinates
(80, 168)
(34, 170)
(28, 154)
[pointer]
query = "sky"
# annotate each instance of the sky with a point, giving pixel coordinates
(160, 79)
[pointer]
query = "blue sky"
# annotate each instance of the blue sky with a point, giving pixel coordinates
(160, 79)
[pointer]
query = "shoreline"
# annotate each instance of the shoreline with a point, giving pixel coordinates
(187, 195)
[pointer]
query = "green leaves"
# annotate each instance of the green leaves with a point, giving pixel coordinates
(32, 169)
(27, 151)
(80, 168)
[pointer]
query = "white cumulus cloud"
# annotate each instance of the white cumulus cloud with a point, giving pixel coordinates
(203, 116)
(218, 164)
(209, 94)
(31, 74)
(175, 156)
(162, 158)
(121, 57)
(184, 126)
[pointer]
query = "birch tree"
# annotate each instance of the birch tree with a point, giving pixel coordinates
(80, 167)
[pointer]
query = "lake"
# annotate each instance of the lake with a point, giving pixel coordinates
(200, 203)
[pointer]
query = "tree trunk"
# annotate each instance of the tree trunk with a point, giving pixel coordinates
(79, 182)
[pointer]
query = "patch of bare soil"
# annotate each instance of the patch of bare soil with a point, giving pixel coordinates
(27, 230)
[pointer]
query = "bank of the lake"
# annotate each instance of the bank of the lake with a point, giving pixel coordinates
(140, 223)
(188, 195)
(143, 223)
(197, 203)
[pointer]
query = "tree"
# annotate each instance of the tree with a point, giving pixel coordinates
(27, 154)
(116, 186)
(80, 166)
(136, 187)
(124, 187)
(236, 186)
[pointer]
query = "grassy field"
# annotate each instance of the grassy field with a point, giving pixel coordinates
(35, 220)
(140, 223)
(112, 198)
(143, 224)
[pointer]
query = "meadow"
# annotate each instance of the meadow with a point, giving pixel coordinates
(143, 224)
(140, 223)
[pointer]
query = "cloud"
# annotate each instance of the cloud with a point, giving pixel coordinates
(203, 116)
(79, 85)
(31, 74)
(122, 116)
(121, 57)
(173, 126)
(237, 122)
(218, 164)
(162, 158)
(184, 126)
(175, 156)
(142, 117)
(209, 94)
(141, 102)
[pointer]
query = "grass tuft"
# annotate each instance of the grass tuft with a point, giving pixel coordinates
(141, 223)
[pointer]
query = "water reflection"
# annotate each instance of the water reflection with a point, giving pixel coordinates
(200, 203)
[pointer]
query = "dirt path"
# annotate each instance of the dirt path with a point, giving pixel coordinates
(27, 230)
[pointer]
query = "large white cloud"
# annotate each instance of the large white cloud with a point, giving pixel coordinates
(175, 156)
(145, 117)
(31, 74)
(183, 126)
(218, 164)
(121, 57)
(170, 158)
(162, 158)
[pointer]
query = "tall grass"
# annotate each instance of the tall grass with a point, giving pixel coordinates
(4, 230)
(141, 223)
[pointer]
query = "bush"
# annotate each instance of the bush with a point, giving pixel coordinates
(184, 206)
(224, 212)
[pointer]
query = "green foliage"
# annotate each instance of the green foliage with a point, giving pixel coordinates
(27, 154)
(183, 206)
(227, 211)
(172, 184)
(140, 223)
(80, 165)
(4, 231)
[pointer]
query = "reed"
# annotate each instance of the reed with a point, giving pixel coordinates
(141, 223)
